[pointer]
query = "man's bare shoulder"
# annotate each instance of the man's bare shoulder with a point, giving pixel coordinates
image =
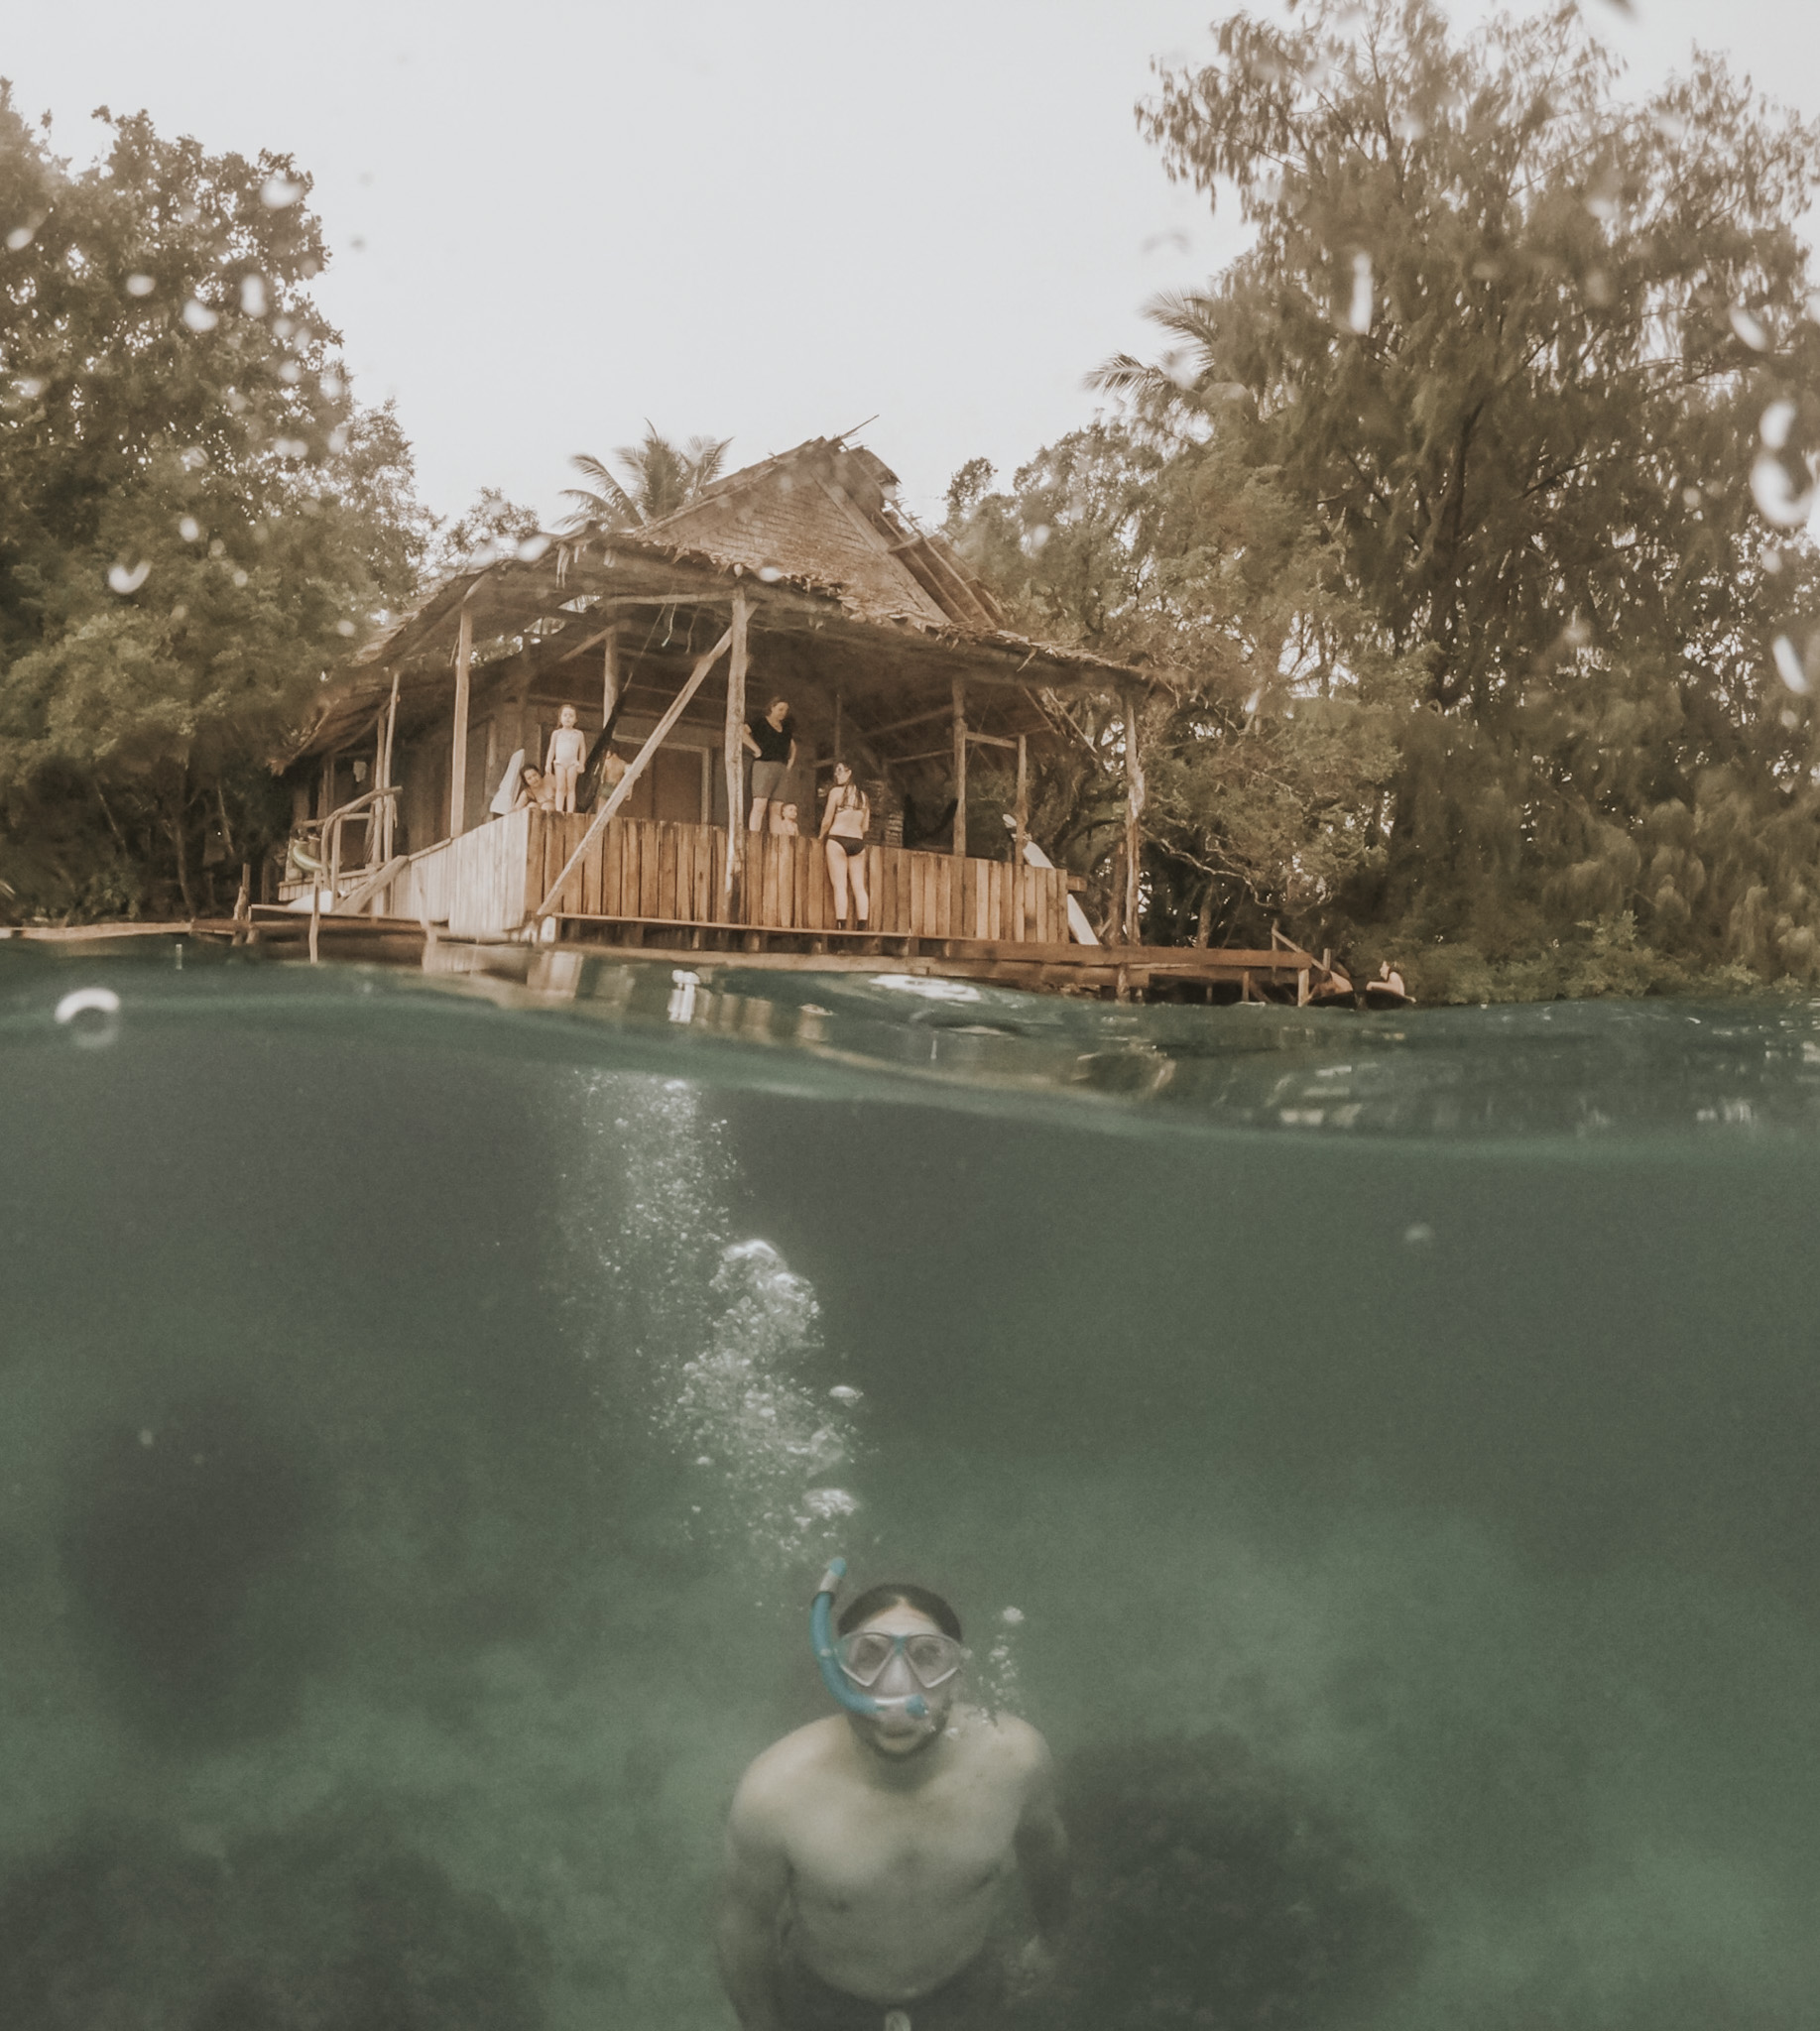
(773, 1785)
(1012, 1749)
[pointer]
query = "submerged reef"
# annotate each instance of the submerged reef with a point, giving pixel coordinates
(1214, 1890)
(181, 1540)
(333, 1926)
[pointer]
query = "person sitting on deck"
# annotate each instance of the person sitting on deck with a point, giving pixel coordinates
(844, 819)
(563, 766)
(871, 1856)
(773, 742)
(534, 788)
(783, 823)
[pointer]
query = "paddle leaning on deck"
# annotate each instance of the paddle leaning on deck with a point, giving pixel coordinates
(623, 788)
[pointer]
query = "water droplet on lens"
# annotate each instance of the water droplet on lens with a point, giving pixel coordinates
(344, 627)
(1359, 314)
(289, 373)
(768, 574)
(1778, 419)
(147, 1436)
(1408, 126)
(531, 548)
(240, 578)
(1748, 329)
(1777, 493)
(125, 579)
(278, 191)
(198, 316)
(1813, 307)
(140, 285)
(1419, 1235)
(189, 529)
(20, 238)
(90, 1014)
(30, 387)
(1790, 666)
(333, 385)
(1014, 1615)
(253, 295)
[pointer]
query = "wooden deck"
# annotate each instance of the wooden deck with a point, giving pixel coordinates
(491, 882)
(654, 888)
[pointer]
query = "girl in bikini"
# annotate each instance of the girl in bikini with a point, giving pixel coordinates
(844, 819)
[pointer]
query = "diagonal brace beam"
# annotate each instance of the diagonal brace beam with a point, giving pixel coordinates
(623, 788)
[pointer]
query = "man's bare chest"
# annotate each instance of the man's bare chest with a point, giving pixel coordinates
(851, 1850)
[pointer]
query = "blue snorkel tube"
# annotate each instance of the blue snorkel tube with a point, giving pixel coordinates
(821, 1638)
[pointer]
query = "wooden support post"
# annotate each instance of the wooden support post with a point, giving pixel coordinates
(734, 753)
(1134, 812)
(634, 769)
(457, 760)
(388, 805)
(1019, 834)
(376, 813)
(609, 675)
(958, 700)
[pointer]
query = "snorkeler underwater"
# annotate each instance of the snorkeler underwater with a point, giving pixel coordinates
(1295, 1581)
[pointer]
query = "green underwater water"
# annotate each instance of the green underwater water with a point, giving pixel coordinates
(1379, 1452)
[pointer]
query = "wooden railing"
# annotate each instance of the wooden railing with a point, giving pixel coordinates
(475, 885)
(654, 871)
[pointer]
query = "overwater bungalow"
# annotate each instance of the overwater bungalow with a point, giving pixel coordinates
(800, 577)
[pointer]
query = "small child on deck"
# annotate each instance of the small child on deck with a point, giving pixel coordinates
(568, 754)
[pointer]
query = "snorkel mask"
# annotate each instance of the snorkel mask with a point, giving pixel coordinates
(847, 1678)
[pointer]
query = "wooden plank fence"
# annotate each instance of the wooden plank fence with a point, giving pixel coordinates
(493, 879)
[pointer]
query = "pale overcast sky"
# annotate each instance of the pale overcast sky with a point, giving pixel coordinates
(762, 218)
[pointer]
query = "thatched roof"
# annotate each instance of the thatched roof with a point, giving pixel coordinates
(846, 592)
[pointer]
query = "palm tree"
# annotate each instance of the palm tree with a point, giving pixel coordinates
(655, 479)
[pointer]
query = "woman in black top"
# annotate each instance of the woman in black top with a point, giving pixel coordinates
(773, 742)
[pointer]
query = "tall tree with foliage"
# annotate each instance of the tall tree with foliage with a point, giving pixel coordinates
(1270, 733)
(655, 477)
(196, 521)
(1541, 367)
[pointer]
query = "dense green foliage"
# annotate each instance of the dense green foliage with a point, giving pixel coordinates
(196, 518)
(1465, 514)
